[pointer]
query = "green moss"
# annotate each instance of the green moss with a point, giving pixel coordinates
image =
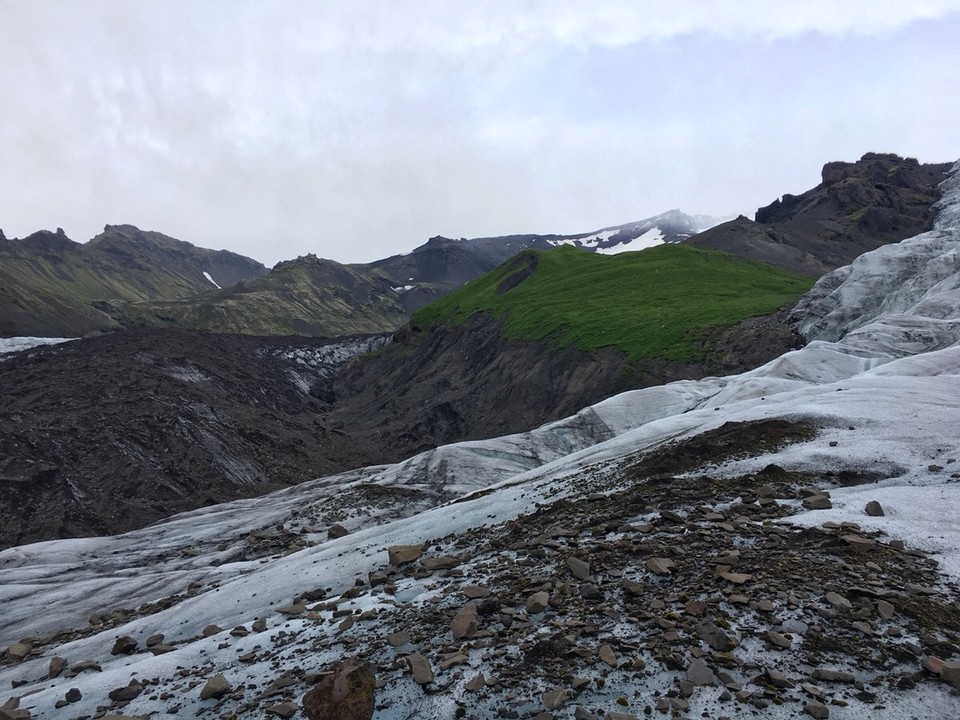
(657, 303)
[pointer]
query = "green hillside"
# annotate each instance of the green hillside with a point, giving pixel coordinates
(658, 302)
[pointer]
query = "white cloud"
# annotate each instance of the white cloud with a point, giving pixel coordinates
(358, 129)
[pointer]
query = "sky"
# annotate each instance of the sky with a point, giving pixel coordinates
(356, 130)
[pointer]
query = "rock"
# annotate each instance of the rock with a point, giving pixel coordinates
(660, 565)
(475, 683)
(127, 693)
(124, 646)
(715, 637)
(83, 665)
(951, 672)
(817, 502)
(555, 699)
(859, 543)
(215, 688)
(18, 651)
(283, 710)
(444, 562)
(931, 663)
(817, 711)
(775, 638)
(420, 667)
(475, 592)
(837, 601)
(73, 695)
(57, 666)
(239, 631)
(735, 578)
(154, 640)
(885, 609)
(211, 630)
(466, 622)
(288, 610)
(398, 638)
(337, 531)
(14, 714)
(633, 588)
(402, 554)
(873, 509)
(347, 693)
(779, 680)
(538, 602)
(614, 715)
(700, 674)
(605, 653)
(259, 625)
(837, 676)
(579, 568)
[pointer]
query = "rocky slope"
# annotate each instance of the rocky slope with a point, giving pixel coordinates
(858, 207)
(52, 286)
(110, 433)
(775, 544)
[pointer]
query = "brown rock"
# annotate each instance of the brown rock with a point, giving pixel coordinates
(699, 673)
(211, 630)
(283, 710)
(475, 683)
(444, 562)
(579, 568)
(474, 592)
(124, 646)
(216, 688)
(660, 565)
(885, 609)
(398, 638)
(345, 694)
(874, 509)
(555, 699)
(817, 711)
(632, 587)
(951, 672)
(420, 667)
(466, 622)
(605, 653)
(337, 531)
(817, 502)
(57, 666)
(838, 601)
(402, 554)
(127, 693)
(14, 714)
(538, 602)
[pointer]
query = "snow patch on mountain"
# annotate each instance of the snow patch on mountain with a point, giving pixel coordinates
(18, 344)
(214, 282)
(671, 226)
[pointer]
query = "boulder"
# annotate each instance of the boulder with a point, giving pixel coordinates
(347, 693)
(874, 509)
(402, 554)
(216, 688)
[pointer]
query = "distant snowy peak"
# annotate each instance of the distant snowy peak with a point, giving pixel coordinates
(672, 226)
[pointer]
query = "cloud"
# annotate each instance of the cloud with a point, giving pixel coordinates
(357, 129)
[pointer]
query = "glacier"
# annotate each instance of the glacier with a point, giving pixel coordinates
(880, 376)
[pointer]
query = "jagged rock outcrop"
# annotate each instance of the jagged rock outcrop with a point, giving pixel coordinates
(858, 206)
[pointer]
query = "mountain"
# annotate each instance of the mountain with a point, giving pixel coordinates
(857, 207)
(778, 543)
(443, 264)
(307, 296)
(52, 286)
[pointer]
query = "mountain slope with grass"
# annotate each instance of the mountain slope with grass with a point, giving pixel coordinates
(549, 332)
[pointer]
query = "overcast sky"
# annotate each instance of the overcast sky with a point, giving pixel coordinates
(358, 129)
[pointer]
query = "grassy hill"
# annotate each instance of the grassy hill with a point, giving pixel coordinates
(657, 303)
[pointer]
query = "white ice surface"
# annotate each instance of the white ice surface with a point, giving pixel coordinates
(17, 344)
(207, 276)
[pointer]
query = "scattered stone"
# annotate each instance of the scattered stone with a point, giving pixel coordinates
(874, 509)
(736, 578)
(259, 625)
(211, 630)
(403, 554)
(124, 645)
(283, 710)
(215, 688)
(715, 637)
(57, 666)
(700, 674)
(398, 638)
(420, 667)
(20, 650)
(154, 640)
(466, 622)
(579, 568)
(337, 531)
(555, 699)
(605, 653)
(837, 601)
(885, 609)
(834, 676)
(538, 602)
(125, 694)
(475, 592)
(14, 714)
(347, 693)
(660, 565)
(951, 672)
(775, 638)
(290, 610)
(444, 562)
(779, 680)
(84, 665)
(817, 711)
(474, 683)
(73, 695)
(817, 502)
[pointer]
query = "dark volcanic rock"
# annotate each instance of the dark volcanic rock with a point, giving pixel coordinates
(859, 206)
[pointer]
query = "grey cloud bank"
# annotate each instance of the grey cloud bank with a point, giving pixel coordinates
(357, 130)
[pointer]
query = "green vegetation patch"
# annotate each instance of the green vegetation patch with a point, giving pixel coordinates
(656, 303)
